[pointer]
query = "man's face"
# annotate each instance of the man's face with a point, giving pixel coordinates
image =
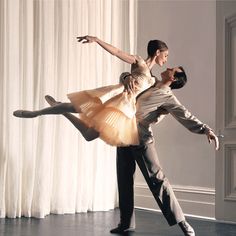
(168, 74)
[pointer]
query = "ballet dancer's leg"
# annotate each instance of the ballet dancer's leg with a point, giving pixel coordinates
(59, 108)
(88, 133)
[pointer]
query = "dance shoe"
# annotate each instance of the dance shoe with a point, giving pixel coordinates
(121, 229)
(24, 114)
(186, 228)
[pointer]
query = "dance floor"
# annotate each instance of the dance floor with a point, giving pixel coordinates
(99, 224)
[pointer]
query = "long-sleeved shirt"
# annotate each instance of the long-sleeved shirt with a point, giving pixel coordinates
(150, 106)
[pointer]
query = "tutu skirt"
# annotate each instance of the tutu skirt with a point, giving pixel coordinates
(110, 111)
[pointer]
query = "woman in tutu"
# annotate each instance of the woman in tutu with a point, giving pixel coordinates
(109, 112)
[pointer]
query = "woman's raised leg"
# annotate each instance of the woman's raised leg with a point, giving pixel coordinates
(88, 133)
(59, 108)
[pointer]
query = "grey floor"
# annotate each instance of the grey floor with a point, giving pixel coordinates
(99, 223)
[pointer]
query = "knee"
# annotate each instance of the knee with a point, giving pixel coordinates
(91, 134)
(160, 176)
(87, 138)
(157, 180)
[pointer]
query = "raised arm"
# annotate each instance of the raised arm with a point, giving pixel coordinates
(126, 57)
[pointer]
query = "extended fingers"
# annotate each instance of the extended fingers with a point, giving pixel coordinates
(213, 137)
(82, 39)
(209, 139)
(216, 140)
(131, 84)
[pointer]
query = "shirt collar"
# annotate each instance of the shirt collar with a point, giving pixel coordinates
(165, 88)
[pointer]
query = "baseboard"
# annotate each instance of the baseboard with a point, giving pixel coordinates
(195, 201)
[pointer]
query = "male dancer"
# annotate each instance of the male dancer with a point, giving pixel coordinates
(150, 105)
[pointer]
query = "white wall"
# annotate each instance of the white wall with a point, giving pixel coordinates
(188, 28)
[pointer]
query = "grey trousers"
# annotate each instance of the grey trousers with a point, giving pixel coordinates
(148, 162)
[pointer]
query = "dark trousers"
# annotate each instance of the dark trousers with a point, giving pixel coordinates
(148, 162)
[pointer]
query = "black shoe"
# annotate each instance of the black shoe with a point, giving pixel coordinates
(186, 228)
(120, 229)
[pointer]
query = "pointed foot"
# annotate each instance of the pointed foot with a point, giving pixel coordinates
(24, 114)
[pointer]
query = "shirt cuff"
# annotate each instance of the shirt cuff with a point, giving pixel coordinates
(207, 129)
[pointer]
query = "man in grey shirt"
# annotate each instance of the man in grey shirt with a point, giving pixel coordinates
(151, 105)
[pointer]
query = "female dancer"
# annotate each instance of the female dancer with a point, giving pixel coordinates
(109, 112)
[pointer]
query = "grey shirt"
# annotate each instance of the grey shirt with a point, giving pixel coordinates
(156, 101)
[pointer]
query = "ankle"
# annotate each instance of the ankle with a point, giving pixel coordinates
(186, 228)
(182, 222)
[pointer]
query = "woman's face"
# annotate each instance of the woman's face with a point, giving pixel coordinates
(162, 57)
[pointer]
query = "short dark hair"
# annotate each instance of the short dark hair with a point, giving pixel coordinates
(154, 45)
(180, 79)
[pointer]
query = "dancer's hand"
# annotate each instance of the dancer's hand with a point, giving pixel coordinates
(211, 136)
(130, 84)
(86, 39)
(127, 80)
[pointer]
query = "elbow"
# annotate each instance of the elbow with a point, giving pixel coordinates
(117, 52)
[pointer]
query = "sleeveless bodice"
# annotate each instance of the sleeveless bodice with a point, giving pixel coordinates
(141, 73)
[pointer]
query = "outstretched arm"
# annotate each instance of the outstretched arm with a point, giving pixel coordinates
(126, 57)
(180, 113)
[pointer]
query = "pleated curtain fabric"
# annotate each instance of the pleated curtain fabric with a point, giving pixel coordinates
(45, 164)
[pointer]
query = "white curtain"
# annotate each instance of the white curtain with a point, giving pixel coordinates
(45, 164)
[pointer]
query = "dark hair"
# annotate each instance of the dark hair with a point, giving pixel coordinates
(180, 79)
(154, 45)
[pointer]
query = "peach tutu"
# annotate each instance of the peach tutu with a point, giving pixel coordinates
(110, 110)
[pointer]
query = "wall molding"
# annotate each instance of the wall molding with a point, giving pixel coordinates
(195, 201)
(230, 116)
(229, 171)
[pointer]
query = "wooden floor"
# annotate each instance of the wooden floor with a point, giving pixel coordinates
(99, 224)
